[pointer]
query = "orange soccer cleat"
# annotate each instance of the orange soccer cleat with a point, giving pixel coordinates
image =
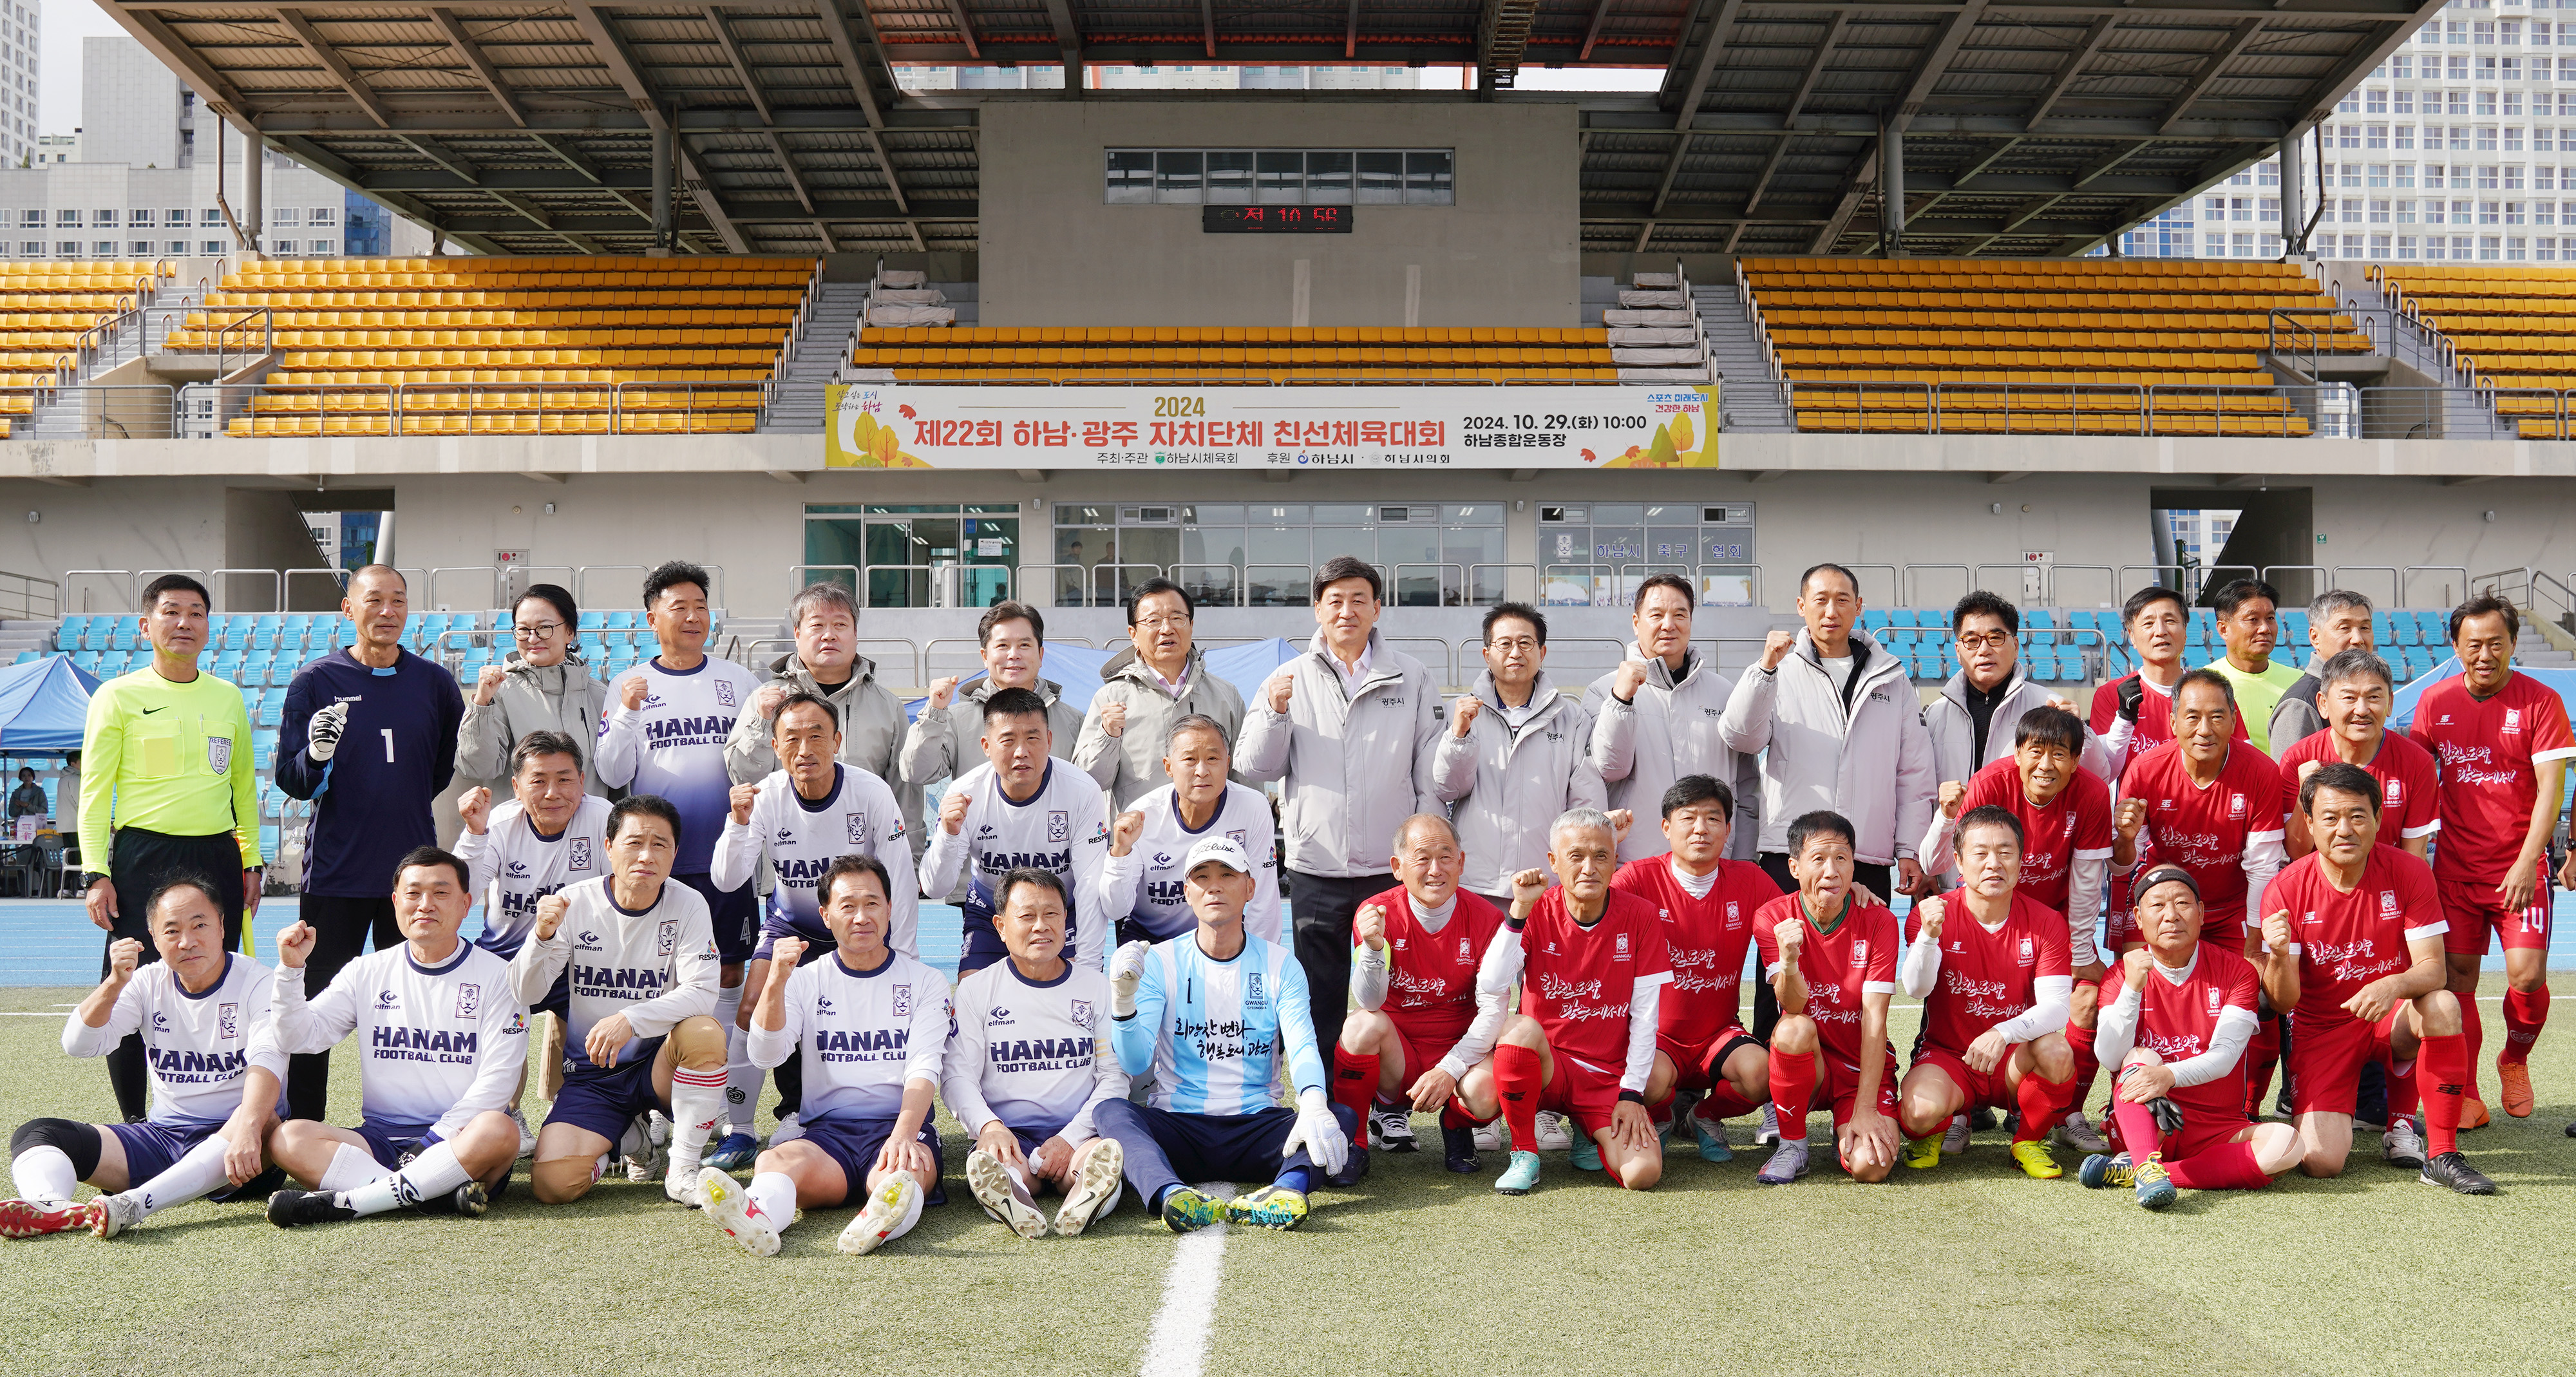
(2517, 1088)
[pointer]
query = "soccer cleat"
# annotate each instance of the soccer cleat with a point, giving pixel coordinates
(887, 1207)
(734, 1153)
(1391, 1127)
(28, 1218)
(729, 1205)
(1954, 1139)
(469, 1200)
(1712, 1138)
(2077, 1134)
(2101, 1171)
(2036, 1160)
(1458, 1149)
(1520, 1177)
(1788, 1163)
(2401, 1145)
(1002, 1195)
(1271, 1207)
(1095, 1188)
(1769, 1132)
(1983, 1118)
(295, 1209)
(1554, 1133)
(2453, 1170)
(527, 1135)
(2473, 1114)
(1185, 1211)
(680, 1184)
(110, 1215)
(1488, 1137)
(1924, 1153)
(1586, 1156)
(2154, 1186)
(641, 1148)
(788, 1130)
(2517, 1088)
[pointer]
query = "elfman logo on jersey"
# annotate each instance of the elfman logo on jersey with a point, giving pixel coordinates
(516, 870)
(219, 754)
(997, 1017)
(858, 828)
(160, 1022)
(581, 853)
(822, 1006)
(786, 837)
(385, 1000)
(469, 1001)
(903, 1001)
(668, 940)
(1059, 826)
(228, 1020)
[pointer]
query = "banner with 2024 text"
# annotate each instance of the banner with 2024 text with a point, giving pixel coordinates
(906, 426)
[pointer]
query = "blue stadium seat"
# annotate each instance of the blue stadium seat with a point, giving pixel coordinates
(1872, 620)
(2039, 619)
(629, 618)
(269, 712)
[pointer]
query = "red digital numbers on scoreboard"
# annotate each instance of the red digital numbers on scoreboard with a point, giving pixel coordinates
(1275, 219)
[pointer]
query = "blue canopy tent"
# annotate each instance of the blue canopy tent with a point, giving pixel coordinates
(44, 704)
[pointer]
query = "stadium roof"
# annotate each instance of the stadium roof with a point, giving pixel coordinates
(528, 125)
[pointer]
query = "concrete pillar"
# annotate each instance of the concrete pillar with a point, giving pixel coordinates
(1891, 193)
(665, 149)
(254, 190)
(2294, 216)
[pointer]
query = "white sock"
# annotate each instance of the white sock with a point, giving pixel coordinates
(198, 1172)
(774, 1193)
(352, 1167)
(44, 1175)
(1020, 1174)
(697, 1106)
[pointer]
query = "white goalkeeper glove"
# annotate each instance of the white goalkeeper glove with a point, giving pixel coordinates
(322, 735)
(1126, 971)
(1318, 1132)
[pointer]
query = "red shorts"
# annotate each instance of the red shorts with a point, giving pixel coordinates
(2195, 1138)
(2473, 908)
(1985, 1090)
(1423, 1049)
(1586, 1093)
(1838, 1086)
(1702, 1065)
(2326, 1056)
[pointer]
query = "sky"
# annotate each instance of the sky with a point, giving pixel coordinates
(66, 23)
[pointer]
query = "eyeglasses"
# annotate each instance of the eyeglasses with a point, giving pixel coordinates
(1513, 644)
(1970, 640)
(536, 631)
(1165, 622)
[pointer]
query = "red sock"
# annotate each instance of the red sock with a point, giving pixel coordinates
(1517, 1074)
(2087, 1065)
(1355, 1081)
(1455, 1115)
(1661, 1112)
(2261, 1055)
(2474, 1039)
(1793, 1089)
(2524, 1013)
(2228, 1166)
(2403, 1096)
(2138, 1136)
(2042, 1103)
(2441, 1073)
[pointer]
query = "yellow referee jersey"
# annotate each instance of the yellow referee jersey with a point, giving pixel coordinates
(169, 758)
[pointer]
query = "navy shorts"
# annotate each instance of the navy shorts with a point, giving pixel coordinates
(151, 1149)
(734, 912)
(855, 1143)
(605, 1102)
(392, 1143)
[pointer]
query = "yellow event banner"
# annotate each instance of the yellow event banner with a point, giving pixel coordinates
(904, 426)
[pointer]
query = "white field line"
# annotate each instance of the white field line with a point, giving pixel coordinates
(1177, 1345)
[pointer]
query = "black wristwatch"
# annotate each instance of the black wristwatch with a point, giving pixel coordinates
(89, 878)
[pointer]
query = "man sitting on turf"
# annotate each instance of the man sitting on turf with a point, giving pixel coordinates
(1990, 964)
(641, 1036)
(871, 1025)
(1831, 960)
(445, 1039)
(2177, 1014)
(2364, 970)
(1591, 965)
(1413, 975)
(1707, 905)
(1025, 1069)
(202, 1013)
(1214, 1013)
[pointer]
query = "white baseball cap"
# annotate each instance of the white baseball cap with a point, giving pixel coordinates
(1225, 851)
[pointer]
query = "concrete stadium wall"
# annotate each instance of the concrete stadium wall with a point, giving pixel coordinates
(1054, 254)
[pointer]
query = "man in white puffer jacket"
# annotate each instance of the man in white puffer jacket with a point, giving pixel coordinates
(1516, 754)
(1656, 718)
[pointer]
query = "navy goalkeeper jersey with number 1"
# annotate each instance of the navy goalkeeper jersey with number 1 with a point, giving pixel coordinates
(372, 797)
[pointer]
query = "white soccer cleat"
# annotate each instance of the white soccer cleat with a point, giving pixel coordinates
(788, 1131)
(1391, 1127)
(1954, 1139)
(1002, 1195)
(2401, 1145)
(731, 1207)
(1095, 1188)
(1553, 1133)
(680, 1184)
(1769, 1132)
(1489, 1137)
(527, 1135)
(2078, 1134)
(890, 1210)
(110, 1215)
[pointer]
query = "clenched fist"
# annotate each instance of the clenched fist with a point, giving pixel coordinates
(1126, 972)
(1527, 886)
(952, 812)
(1113, 719)
(295, 944)
(1627, 679)
(322, 734)
(1776, 645)
(2131, 816)
(1463, 719)
(941, 690)
(2133, 966)
(475, 807)
(1790, 935)
(486, 683)
(1124, 832)
(632, 691)
(766, 699)
(550, 915)
(1621, 819)
(123, 955)
(785, 953)
(1929, 912)
(1951, 792)
(742, 797)
(1369, 926)
(1277, 692)
(2276, 932)
(2307, 768)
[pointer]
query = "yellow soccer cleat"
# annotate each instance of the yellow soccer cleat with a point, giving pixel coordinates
(2036, 1160)
(1923, 1153)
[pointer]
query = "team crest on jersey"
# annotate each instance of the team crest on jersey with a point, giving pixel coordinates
(228, 1020)
(2395, 793)
(2027, 955)
(724, 693)
(2388, 903)
(1860, 951)
(1464, 950)
(2513, 721)
(668, 941)
(1619, 947)
(858, 828)
(903, 1001)
(1059, 826)
(219, 754)
(580, 853)
(2215, 998)
(1252, 997)
(1082, 1012)
(469, 1000)
(1734, 916)
(2235, 807)
(1237, 835)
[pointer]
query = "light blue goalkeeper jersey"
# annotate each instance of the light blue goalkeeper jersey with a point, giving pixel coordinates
(1214, 1031)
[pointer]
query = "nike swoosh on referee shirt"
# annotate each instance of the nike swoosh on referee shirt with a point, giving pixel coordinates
(149, 711)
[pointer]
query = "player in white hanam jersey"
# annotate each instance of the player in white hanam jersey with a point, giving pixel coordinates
(1141, 881)
(1022, 807)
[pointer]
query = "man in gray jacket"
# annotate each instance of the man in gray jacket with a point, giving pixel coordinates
(942, 743)
(824, 619)
(1158, 680)
(1352, 727)
(1516, 754)
(1974, 720)
(2339, 620)
(1655, 719)
(540, 689)
(1839, 727)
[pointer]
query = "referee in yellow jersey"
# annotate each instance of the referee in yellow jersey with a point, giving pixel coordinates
(167, 772)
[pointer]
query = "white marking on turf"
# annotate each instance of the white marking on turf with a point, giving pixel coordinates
(1177, 1344)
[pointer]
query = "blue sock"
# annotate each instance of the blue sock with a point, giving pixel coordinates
(1298, 1179)
(1162, 1195)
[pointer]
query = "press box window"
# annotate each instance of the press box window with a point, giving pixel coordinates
(1281, 177)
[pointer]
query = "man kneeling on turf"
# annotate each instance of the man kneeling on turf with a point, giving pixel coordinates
(1831, 960)
(1591, 965)
(2364, 970)
(203, 1015)
(1025, 1070)
(1991, 965)
(641, 1035)
(1213, 1013)
(1414, 952)
(871, 1025)
(446, 1039)
(2177, 1014)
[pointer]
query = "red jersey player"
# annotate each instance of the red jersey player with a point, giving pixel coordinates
(2207, 802)
(2177, 1014)
(1831, 960)
(1989, 963)
(1415, 949)
(1591, 965)
(2363, 968)
(2503, 744)
(1707, 904)
(2133, 714)
(2355, 693)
